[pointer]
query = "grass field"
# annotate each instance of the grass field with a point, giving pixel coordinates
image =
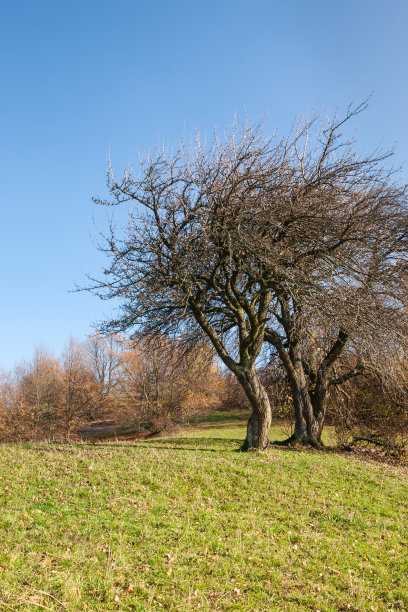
(186, 523)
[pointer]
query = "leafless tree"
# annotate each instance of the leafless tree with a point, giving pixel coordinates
(334, 236)
(296, 242)
(162, 383)
(104, 361)
(80, 399)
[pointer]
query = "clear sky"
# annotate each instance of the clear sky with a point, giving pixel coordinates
(81, 77)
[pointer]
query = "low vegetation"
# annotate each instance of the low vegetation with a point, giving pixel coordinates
(130, 387)
(186, 523)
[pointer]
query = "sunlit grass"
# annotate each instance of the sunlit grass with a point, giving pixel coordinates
(229, 424)
(187, 523)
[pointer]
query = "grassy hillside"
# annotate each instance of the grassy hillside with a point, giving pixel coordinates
(188, 524)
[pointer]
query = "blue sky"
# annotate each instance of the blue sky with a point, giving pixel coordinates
(79, 78)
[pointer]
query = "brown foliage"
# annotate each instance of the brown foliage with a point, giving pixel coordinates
(366, 413)
(45, 398)
(161, 382)
(148, 385)
(30, 397)
(80, 398)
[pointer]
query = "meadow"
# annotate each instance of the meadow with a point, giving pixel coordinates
(187, 523)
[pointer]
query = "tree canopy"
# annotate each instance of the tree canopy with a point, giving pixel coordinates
(296, 243)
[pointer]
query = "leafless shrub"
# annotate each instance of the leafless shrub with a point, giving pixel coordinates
(163, 383)
(365, 413)
(146, 385)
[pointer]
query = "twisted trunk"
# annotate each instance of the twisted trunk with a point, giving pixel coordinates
(260, 421)
(309, 402)
(309, 420)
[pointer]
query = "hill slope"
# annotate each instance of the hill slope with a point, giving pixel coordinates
(188, 524)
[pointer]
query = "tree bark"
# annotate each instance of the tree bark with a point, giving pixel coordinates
(310, 409)
(260, 421)
(309, 426)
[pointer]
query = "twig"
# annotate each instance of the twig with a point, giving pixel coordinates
(52, 597)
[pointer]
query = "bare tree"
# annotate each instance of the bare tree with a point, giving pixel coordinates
(334, 235)
(180, 266)
(254, 240)
(104, 361)
(79, 390)
(162, 382)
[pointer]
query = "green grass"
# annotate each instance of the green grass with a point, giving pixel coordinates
(186, 523)
(231, 424)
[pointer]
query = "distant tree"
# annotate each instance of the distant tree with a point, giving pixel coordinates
(298, 243)
(80, 398)
(163, 383)
(46, 397)
(234, 396)
(37, 396)
(103, 356)
(14, 416)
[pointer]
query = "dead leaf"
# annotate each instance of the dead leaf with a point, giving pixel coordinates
(334, 571)
(46, 561)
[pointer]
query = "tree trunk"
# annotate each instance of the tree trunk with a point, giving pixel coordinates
(260, 421)
(309, 427)
(310, 409)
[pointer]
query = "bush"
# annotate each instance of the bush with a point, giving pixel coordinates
(365, 413)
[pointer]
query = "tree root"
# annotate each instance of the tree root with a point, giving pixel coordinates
(295, 442)
(292, 440)
(245, 448)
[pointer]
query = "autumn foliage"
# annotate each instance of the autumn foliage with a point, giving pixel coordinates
(146, 386)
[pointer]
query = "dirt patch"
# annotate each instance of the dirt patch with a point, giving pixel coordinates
(109, 430)
(375, 455)
(372, 455)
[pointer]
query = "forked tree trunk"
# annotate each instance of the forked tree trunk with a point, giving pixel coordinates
(260, 421)
(310, 409)
(309, 422)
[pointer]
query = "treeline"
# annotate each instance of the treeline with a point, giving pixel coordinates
(147, 386)
(151, 386)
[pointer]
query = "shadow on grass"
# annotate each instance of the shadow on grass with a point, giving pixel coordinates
(222, 418)
(208, 426)
(229, 445)
(180, 447)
